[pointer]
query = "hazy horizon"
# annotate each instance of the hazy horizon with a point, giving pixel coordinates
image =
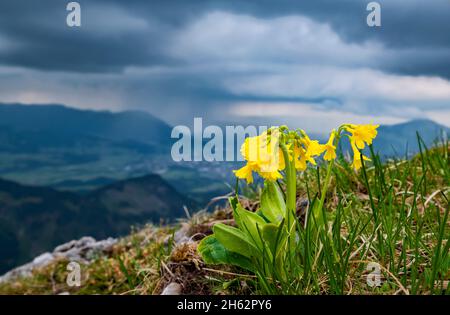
(267, 122)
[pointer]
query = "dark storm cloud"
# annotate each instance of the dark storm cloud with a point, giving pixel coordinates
(39, 38)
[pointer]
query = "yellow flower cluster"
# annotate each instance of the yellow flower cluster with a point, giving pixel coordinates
(265, 157)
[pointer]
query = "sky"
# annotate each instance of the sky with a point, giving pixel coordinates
(312, 64)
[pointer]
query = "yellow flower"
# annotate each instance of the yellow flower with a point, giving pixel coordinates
(314, 149)
(357, 163)
(245, 173)
(272, 176)
(263, 155)
(306, 153)
(362, 134)
(299, 157)
(253, 149)
(305, 138)
(330, 149)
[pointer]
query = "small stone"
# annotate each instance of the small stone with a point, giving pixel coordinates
(172, 288)
(182, 235)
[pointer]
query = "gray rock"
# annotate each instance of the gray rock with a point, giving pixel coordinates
(182, 235)
(82, 242)
(26, 270)
(83, 251)
(43, 259)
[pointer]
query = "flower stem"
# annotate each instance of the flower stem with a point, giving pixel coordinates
(291, 180)
(320, 218)
(291, 198)
(327, 183)
(328, 177)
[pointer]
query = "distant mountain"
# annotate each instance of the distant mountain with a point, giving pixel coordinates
(67, 125)
(35, 219)
(401, 140)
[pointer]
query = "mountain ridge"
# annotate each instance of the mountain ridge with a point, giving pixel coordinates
(400, 140)
(117, 126)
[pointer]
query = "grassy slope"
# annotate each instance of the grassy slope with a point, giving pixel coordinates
(394, 214)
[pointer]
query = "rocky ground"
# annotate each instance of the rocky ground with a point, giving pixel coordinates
(84, 251)
(153, 260)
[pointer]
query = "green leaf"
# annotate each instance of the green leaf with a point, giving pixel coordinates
(270, 234)
(318, 219)
(247, 222)
(213, 252)
(273, 206)
(275, 237)
(126, 273)
(235, 240)
(233, 202)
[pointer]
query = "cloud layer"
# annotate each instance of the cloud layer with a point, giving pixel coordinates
(188, 58)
